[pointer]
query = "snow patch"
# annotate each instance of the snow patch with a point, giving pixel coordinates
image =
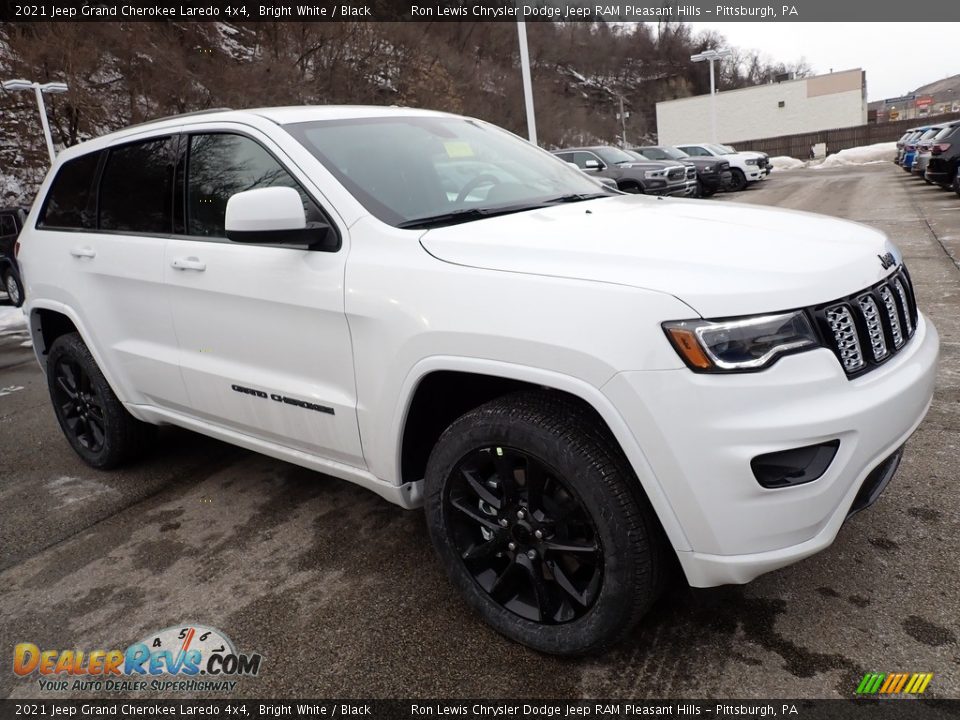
(785, 162)
(12, 320)
(864, 155)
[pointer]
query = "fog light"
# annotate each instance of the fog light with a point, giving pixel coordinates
(787, 468)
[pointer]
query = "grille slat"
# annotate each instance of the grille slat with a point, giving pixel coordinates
(871, 315)
(871, 326)
(893, 315)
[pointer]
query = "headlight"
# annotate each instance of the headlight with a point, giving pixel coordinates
(652, 174)
(741, 344)
(708, 168)
(752, 161)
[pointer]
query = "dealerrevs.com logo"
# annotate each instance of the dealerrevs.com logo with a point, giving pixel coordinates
(185, 658)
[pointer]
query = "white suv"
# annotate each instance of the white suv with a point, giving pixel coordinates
(580, 386)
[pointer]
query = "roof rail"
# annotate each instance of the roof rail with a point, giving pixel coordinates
(178, 115)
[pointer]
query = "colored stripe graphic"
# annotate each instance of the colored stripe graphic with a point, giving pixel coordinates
(894, 683)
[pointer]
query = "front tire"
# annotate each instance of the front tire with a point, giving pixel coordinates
(956, 181)
(92, 418)
(738, 181)
(541, 524)
(13, 287)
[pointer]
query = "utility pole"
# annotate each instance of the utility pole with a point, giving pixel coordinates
(527, 84)
(623, 125)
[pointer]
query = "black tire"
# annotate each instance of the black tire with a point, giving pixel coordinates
(706, 192)
(738, 181)
(92, 418)
(13, 287)
(633, 188)
(956, 181)
(585, 481)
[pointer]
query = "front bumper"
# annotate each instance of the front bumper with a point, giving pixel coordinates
(754, 173)
(699, 433)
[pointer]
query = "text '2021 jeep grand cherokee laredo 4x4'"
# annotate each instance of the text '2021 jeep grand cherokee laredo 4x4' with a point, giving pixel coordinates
(576, 383)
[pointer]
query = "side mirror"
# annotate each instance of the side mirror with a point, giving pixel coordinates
(592, 165)
(271, 216)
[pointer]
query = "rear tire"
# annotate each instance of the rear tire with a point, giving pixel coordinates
(92, 418)
(13, 287)
(738, 181)
(541, 524)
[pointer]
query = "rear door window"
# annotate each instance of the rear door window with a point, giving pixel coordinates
(69, 204)
(136, 190)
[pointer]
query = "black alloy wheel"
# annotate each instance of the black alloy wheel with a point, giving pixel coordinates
(738, 181)
(79, 404)
(542, 525)
(524, 535)
(94, 420)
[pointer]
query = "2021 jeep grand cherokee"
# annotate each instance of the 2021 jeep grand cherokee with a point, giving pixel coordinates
(575, 383)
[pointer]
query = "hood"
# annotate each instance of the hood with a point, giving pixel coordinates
(722, 259)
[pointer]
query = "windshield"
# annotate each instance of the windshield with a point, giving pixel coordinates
(407, 169)
(614, 156)
(662, 153)
(720, 149)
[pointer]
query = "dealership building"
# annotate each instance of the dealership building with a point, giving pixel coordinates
(787, 107)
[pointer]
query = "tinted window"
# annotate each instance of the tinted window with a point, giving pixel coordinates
(581, 158)
(69, 202)
(653, 154)
(7, 226)
(136, 190)
(221, 165)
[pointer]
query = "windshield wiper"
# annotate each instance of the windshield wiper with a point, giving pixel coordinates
(576, 197)
(460, 216)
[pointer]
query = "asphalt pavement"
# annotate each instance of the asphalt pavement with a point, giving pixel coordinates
(340, 591)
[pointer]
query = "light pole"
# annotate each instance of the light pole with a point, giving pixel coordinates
(39, 90)
(527, 85)
(712, 56)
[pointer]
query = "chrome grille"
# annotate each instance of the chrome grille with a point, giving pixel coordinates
(871, 314)
(904, 304)
(888, 302)
(845, 336)
(691, 173)
(677, 173)
(869, 327)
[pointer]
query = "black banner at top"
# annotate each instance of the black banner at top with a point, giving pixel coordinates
(475, 10)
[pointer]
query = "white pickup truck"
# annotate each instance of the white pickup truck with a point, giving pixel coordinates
(581, 387)
(745, 167)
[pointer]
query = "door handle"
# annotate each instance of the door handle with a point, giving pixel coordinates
(189, 263)
(83, 252)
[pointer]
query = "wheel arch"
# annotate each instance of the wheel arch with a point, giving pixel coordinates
(487, 380)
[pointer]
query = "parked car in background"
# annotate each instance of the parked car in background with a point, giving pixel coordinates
(922, 156)
(764, 163)
(11, 223)
(901, 145)
(631, 174)
(712, 174)
(744, 168)
(910, 148)
(943, 168)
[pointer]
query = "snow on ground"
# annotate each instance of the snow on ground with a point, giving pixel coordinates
(11, 320)
(864, 155)
(785, 162)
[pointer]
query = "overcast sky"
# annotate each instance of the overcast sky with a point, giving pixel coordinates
(898, 57)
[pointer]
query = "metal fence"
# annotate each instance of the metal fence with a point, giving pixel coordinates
(798, 146)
